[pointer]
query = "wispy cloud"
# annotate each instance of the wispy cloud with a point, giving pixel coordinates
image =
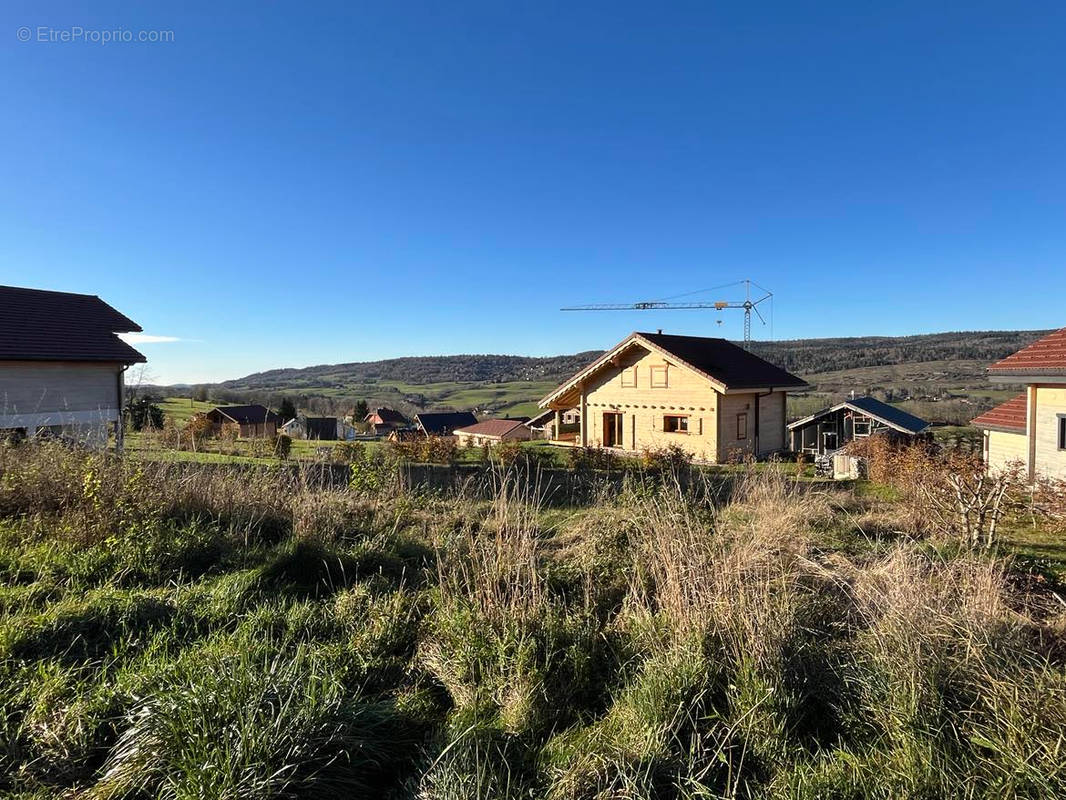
(149, 338)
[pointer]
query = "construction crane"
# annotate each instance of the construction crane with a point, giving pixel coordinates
(747, 304)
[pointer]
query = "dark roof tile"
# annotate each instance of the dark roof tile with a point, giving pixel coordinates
(724, 361)
(444, 422)
(36, 325)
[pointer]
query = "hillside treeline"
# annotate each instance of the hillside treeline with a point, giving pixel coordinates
(421, 370)
(811, 356)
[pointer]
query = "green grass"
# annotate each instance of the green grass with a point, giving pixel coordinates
(180, 409)
(230, 634)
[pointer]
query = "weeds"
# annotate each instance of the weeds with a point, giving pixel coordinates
(176, 632)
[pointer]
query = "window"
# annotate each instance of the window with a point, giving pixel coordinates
(673, 423)
(629, 377)
(862, 426)
(659, 378)
(1062, 431)
(742, 426)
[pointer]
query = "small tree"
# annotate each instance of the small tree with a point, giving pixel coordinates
(142, 413)
(360, 411)
(287, 409)
(199, 393)
(282, 446)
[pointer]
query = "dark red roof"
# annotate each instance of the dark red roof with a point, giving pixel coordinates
(1044, 355)
(491, 427)
(1009, 416)
(36, 325)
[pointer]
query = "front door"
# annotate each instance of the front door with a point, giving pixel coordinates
(612, 429)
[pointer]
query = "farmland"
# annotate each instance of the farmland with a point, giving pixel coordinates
(939, 376)
(168, 631)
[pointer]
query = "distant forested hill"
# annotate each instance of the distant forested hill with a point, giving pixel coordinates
(418, 370)
(941, 375)
(801, 356)
(812, 356)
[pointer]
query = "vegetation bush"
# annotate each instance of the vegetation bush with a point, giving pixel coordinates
(170, 631)
(424, 449)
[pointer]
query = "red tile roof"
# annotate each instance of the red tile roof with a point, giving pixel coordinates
(1044, 355)
(1009, 416)
(491, 427)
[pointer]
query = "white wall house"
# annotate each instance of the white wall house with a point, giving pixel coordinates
(62, 365)
(1030, 429)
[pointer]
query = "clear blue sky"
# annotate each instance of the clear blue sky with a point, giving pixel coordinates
(282, 186)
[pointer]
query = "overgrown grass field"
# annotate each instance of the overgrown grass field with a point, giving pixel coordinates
(174, 631)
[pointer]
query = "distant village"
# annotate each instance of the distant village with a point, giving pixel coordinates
(63, 367)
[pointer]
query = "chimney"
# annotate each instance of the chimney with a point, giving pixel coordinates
(660, 331)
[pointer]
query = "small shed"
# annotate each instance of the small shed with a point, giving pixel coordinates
(253, 421)
(860, 417)
(493, 431)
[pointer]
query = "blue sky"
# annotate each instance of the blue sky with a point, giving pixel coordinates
(288, 184)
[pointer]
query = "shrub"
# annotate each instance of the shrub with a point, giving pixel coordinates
(349, 452)
(672, 458)
(282, 446)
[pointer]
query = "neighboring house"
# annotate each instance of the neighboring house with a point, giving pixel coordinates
(443, 423)
(710, 397)
(492, 432)
(253, 421)
(543, 426)
(1030, 429)
(857, 418)
(383, 421)
(325, 429)
(62, 366)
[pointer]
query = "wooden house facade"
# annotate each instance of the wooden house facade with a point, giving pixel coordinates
(857, 418)
(710, 397)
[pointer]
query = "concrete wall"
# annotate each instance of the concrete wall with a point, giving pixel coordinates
(1049, 460)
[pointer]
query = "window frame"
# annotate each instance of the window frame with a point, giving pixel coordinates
(660, 369)
(742, 433)
(1062, 431)
(682, 420)
(632, 373)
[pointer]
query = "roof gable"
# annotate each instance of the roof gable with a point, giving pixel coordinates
(1009, 416)
(245, 415)
(725, 365)
(385, 416)
(37, 325)
(887, 414)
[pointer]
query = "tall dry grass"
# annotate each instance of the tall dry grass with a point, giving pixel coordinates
(670, 640)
